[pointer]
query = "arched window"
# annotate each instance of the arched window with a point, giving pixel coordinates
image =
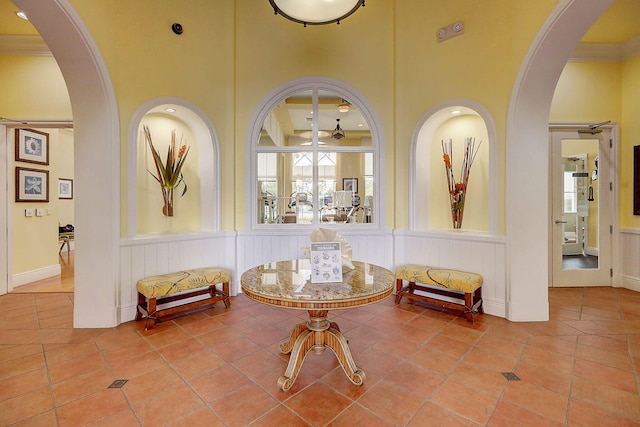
(316, 158)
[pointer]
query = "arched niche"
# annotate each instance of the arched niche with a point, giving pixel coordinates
(429, 200)
(198, 209)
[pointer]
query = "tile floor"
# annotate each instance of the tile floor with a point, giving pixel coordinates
(220, 367)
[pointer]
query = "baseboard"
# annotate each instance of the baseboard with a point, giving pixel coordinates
(591, 251)
(632, 283)
(35, 275)
(494, 307)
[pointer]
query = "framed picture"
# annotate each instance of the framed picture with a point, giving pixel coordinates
(65, 188)
(350, 184)
(32, 146)
(32, 185)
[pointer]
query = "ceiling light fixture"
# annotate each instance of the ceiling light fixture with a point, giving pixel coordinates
(344, 107)
(315, 12)
(22, 15)
(170, 110)
(338, 133)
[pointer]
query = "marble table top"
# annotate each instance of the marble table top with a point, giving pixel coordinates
(288, 284)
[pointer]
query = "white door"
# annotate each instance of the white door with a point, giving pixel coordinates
(582, 207)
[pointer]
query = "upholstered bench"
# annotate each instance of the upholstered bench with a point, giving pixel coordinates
(462, 291)
(166, 288)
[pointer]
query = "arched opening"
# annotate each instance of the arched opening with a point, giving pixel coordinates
(96, 154)
(528, 156)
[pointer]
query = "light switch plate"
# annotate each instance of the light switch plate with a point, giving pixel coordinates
(28, 212)
(39, 212)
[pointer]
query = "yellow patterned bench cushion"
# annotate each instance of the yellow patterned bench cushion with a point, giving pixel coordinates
(181, 281)
(441, 277)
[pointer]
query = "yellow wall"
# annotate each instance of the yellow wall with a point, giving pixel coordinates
(428, 72)
(401, 69)
(35, 239)
(145, 60)
(630, 136)
(588, 92)
(358, 52)
(233, 53)
(33, 87)
(62, 159)
(595, 92)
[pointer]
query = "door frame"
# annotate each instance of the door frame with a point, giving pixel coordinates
(613, 178)
(5, 253)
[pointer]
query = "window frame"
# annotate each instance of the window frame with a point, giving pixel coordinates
(314, 84)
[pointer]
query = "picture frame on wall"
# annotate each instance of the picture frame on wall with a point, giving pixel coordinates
(32, 146)
(350, 184)
(32, 185)
(65, 188)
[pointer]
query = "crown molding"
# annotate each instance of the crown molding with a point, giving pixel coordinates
(23, 45)
(606, 52)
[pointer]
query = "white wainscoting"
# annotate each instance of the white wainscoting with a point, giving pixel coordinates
(152, 255)
(475, 253)
(630, 254)
(147, 256)
(255, 248)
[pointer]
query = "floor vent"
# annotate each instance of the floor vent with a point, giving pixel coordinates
(510, 376)
(118, 383)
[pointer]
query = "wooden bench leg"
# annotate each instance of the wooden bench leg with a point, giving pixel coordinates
(142, 302)
(478, 297)
(468, 303)
(151, 314)
(225, 291)
(398, 289)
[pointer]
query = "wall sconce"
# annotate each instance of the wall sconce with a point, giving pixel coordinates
(315, 12)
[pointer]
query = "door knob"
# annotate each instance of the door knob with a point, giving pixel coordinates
(560, 222)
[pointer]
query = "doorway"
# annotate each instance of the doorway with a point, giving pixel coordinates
(582, 206)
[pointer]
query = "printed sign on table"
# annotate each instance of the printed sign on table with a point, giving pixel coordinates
(326, 263)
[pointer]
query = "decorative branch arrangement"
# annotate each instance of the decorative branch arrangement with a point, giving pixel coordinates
(168, 174)
(458, 189)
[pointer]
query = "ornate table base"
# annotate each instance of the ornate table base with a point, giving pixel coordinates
(316, 335)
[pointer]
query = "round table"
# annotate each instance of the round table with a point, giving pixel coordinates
(288, 284)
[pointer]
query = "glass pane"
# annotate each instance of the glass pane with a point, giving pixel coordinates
(290, 122)
(340, 122)
(287, 196)
(350, 197)
(302, 187)
(580, 213)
